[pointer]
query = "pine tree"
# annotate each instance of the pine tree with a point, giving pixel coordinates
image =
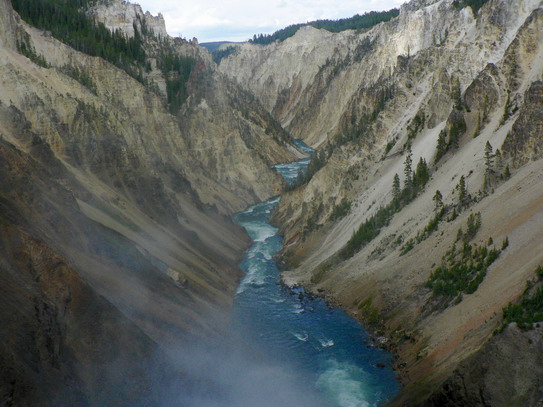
(422, 174)
(507, 173)
(441, 147)
(489, 162)
(396, 187)
(408, 169)
(462, 191)
(505, 243)
(438, 201)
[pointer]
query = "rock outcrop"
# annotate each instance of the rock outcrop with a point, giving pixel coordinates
(438, 69)
(488, 378)
(116, 242)
(312, 82)
(123, 15)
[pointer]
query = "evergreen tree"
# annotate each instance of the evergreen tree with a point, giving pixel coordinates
(473, 225)
(357, 22)
(458, 128)
(489, 161)
(422, 174)
(441, 147)
(396, 190)
(408, 169)
(462, 191)
(438, 201)
(505, 243)
(507, 173)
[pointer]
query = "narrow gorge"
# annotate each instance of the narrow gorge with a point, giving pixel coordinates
(147, 260)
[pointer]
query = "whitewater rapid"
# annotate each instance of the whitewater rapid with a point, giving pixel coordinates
(328, 349)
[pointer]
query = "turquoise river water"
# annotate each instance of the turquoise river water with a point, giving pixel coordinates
(330, 352)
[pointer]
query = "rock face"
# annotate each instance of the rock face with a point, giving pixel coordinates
(116, 244)
(116, 241)
(518, 384)
(313, 82)
(524, 142)
(122, 15)
(474, 75)
(65, 339)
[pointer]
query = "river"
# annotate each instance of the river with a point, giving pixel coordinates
(329, 350)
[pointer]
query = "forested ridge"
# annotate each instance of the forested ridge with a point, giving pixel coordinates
(68, 22)
(357, 22)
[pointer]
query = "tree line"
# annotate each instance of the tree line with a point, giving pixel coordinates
(68, 22)
(357, 22)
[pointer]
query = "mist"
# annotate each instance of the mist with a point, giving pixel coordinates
(232, 373)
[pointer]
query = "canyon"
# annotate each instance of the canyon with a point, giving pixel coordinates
(371, 99)
(117, 243)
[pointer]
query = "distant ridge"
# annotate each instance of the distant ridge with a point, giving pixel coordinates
(356, 22)
(215, 46)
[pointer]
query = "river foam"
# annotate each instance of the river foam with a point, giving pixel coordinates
(322, 344)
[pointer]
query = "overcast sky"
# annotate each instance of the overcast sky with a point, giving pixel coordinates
(238, 20)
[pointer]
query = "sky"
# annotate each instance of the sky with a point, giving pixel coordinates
(238, 20)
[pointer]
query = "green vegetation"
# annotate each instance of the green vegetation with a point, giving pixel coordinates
(529, 310)
(318, 160)
(384, 92)
(368, 230)
(463, 196)
(441, 148)
(447, 141)
(176, 70)
(389, 146)
(26, 49)
(424, 233)
(396, 187)
(219, 54)
(474, 4)
(494, 168)
(357, 22)
(457, 95)
(422, 174)
(320, 273)
(462, 270)
(489, 162)
(506, 109)
(458, 128)
(67, 21)
(341, 210)
(79, 75)
(473, 226)
(370, 313)
(416, 125)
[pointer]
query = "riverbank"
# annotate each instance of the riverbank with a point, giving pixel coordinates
(380, 285)
(326, 348)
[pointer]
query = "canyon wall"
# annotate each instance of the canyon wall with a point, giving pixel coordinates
(370, 99)
(117, 247)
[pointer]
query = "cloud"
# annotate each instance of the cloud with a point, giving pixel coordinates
(238, 20)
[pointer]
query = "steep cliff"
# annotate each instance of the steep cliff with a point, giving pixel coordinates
(314, 81)
(117, 247)
(436, 83)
